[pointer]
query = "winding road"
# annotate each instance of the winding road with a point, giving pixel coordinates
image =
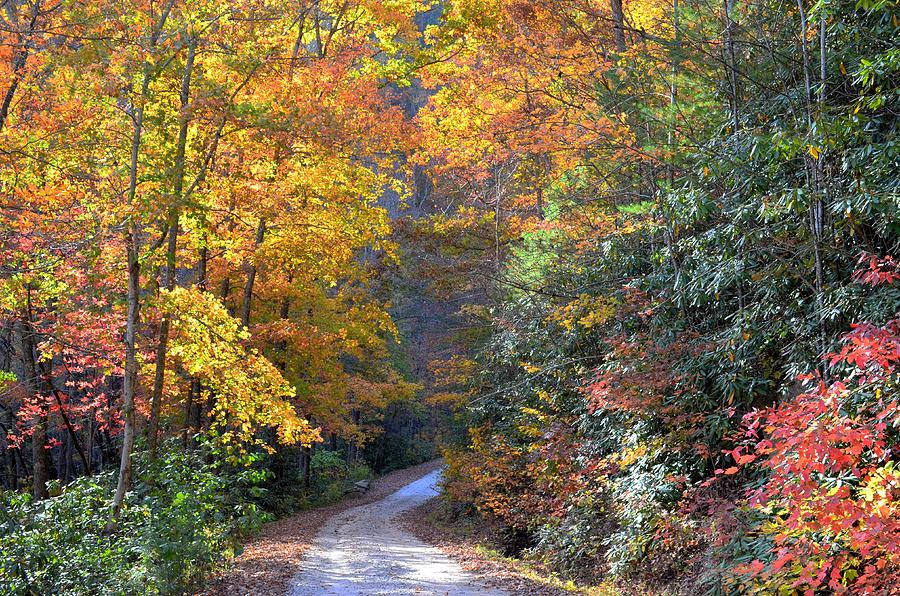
(363, 551)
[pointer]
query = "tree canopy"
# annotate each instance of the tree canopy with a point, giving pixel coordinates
(631, 265)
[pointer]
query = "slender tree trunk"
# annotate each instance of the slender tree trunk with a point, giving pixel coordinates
(819, 207)
(39, 454)
(251, 274)
(498, 215)
(21, 466)
(9, 459)
(130, 381)
(671, 139)
(731, 74)
(285, 305)
(64, 459)
(6, 454)
(73, 436)
(814, 172)
(804, 49)
(193, 407)
(673, 90)
(298, 42)
(307, 468)
(19, 60)
(353, 447)
(618, 17)
(284, 313)
(225, 288)
(132, 243)
(16, 463)
(163, 338)
(90, 438)
(731, 65)
(172, 247)
(188, 411)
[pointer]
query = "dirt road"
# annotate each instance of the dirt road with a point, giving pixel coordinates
(363, 551)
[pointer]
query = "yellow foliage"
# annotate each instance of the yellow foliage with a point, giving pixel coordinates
(586, 311)
(249, 391)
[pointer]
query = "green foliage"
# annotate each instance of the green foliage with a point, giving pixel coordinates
(332, 474)
(574, 545)
(610, 436)
(179, 522)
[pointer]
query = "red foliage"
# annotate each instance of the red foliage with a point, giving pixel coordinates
(879, 270)
(641, 375)
(869, 347)
(833, 490)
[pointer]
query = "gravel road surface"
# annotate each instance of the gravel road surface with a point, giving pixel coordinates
(363, 551)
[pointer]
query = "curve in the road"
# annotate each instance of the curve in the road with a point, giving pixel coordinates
(363, 551)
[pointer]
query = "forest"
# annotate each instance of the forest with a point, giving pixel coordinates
(630, 267)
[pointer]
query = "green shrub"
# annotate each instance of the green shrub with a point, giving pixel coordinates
(179, 522)
(331, 473)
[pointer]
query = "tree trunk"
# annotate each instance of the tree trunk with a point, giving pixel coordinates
(731, 65)
(64, 459)
(19, 61)
(72, 435)
(821, 190)
(39, 454)
(193, 408)
(130, 380)
(618, 17)
(251, 274)
(353, 447)
(8, 463)
(132, 243)
(307, 468)
(172, 247)
(673, 90)
(814, 173)
(281, 345)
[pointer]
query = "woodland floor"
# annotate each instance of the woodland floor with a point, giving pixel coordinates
(272, 559)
